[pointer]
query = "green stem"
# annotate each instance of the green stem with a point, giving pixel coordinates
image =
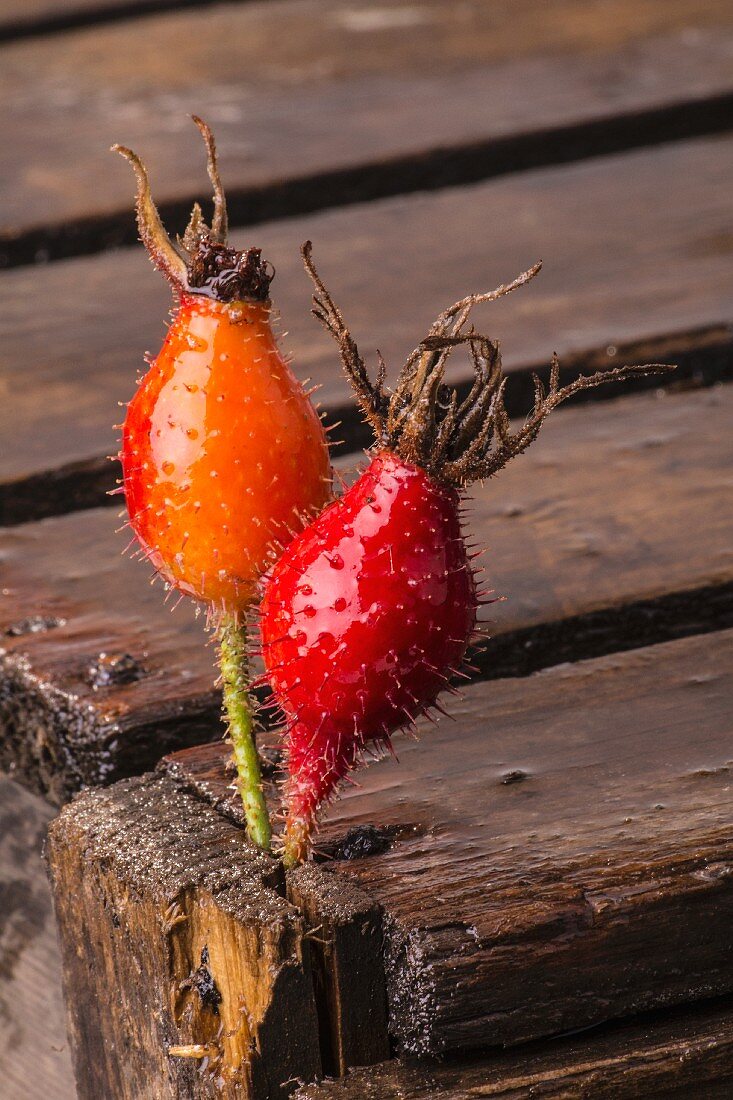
(235, 679)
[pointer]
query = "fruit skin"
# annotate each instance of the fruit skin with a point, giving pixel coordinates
(363, 619)
(222, 452)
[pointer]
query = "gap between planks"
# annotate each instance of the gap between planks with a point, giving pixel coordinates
(673, 1054)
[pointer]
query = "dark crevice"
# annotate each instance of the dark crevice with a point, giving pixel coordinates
(635, 625)
(71, 19)
(703, 357)
(430, 170)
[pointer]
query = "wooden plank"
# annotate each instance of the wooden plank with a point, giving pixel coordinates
(559, 856)
(613, 532)
(188, 946)
(34, 1056)
(620, 267)
(274, 78)
(667, 1057)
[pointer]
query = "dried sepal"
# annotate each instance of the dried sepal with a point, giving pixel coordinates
(196, 231)
(371, 398)
(220, 221)
(450, 322)
(152, 231)
(422, 419)
(499, 445)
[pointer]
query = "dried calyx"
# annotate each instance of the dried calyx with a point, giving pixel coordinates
(203, 263)
(423, 420)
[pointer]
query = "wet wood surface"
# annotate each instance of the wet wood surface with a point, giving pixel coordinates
(188, 925)
(613, 531)
(77, 331)
(274, 78)
(557, 856)
(672, 1057)
(34, 1055)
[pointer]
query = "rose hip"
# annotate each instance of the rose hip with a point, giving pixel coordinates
(368, 614)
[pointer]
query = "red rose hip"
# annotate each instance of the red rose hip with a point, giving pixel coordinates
(376, 602)
(368, 614)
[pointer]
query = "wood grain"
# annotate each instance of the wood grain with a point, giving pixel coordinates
(667, 1057)
(560, 854)
(188, 946)
(34, 1056)
(613, 532)
(623, 262)
(274, 78)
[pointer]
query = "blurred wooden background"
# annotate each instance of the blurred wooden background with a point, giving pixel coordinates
(428, 149)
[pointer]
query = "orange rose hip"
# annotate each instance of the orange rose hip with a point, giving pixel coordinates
(222, 453)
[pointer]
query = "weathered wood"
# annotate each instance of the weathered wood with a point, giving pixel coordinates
(559, 856)
(620, 266)
(97, 675)
(613, 532)
(275, 77)
(668, 1057)
(34, 1056)
(192, 975)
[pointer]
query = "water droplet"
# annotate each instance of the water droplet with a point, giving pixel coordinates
(309, 610)
(168, 467)
(339, 604)
(192, 433)
(336, 562)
